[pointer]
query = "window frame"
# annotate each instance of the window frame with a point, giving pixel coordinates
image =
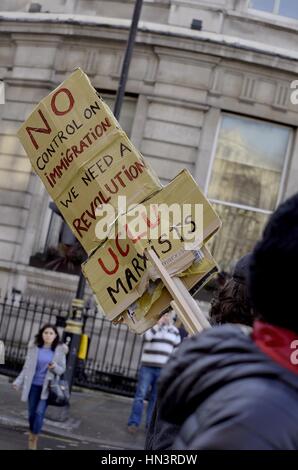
(284, 171)
(128, 97)
(270, 14)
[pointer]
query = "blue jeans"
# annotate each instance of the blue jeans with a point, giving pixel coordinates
(37, 409)
(147, 377)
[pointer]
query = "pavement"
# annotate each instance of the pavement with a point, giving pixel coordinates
(94, 420)
(14, 438)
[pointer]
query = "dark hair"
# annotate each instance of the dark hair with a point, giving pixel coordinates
(232, 305)
(39, 340)
(273, 268)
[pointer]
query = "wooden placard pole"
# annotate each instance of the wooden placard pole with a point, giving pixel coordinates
(187, 325)
(185, 306)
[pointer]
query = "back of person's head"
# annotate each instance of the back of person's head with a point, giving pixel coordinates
(166, 319)
(232, 304)
(273, 269)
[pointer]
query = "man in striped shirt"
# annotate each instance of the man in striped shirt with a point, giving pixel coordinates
(159, 343)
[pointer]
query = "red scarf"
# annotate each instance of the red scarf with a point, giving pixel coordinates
(278, 343)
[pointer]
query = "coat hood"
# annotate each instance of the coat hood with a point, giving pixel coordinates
(206, 362)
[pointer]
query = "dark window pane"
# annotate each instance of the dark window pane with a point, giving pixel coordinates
(289, 8)
(264, 5)
(127, 112)
(240, 231)
(248, 163)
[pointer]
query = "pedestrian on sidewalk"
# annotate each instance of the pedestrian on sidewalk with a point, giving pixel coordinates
(45, 359)
(160, 341)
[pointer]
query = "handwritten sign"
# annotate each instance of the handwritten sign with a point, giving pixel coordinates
(118, 270)
(146, 311)
(82, 156)
(88, 164)
(118, 171)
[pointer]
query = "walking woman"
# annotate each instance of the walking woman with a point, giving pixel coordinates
(45, 359)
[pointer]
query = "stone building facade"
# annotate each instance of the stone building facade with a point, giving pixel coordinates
(212, 95)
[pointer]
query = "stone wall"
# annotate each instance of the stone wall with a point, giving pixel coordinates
(183, 80)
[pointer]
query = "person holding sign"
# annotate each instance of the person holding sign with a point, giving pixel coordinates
(160, 341)
(227, 389)
(232, 305)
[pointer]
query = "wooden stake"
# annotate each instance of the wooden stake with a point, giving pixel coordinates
(191, 302)
(185, 306)
(189, 328)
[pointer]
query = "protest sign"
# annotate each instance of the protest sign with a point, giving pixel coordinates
(65, 130)
(118, 171)
(88, 164)
(146, 311)
(82, 156)
(118, 270)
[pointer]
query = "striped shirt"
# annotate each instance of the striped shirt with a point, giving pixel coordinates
(160, 341)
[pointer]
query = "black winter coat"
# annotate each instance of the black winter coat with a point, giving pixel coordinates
(220, 391)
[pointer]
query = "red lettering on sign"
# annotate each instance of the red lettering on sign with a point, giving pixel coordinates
(121, 251)
(53, 102)
(42, 130)
(106, 270)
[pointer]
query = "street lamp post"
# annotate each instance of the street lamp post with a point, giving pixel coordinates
(127, 58)
(74, 324)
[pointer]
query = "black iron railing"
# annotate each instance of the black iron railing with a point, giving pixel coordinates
(113, 352)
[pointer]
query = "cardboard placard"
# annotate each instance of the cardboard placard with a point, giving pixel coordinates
(65, 131)
(118, 171)
(143, 314)
(117, 271)
(82, 156)
(86, 162)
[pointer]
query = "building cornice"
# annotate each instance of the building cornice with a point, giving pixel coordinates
(17, 22)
